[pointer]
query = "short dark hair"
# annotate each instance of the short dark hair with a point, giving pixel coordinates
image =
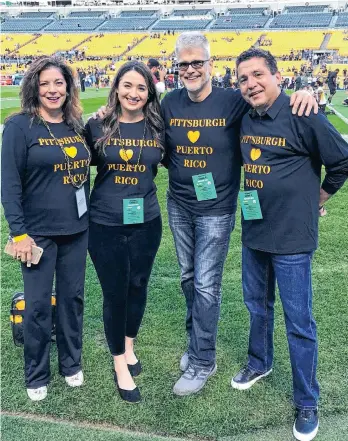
(153, 63)
(271, 62)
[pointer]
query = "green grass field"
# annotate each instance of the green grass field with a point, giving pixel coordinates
(264, 413)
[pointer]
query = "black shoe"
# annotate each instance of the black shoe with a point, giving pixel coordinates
(306, 425)
(131, 396)
(246, 377)
(135, 369)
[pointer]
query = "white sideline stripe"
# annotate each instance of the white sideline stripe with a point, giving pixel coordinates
(343, 118)
(10, 99)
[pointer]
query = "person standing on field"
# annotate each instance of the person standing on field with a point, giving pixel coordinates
(283, 157)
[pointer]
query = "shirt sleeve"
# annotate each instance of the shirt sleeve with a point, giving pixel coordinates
(240, 106)
(160, 87)
(165, 158)
(332, 149)
(91, 144)
(13, 166)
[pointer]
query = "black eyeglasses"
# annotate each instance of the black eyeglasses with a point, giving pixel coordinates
(196, 64)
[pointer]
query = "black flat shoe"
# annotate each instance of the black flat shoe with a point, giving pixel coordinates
(131, 396)
(135, 369)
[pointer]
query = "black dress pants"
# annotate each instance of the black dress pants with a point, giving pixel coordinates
(64, 257)
(123, 257)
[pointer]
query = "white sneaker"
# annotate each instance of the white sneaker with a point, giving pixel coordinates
(37, 394)
(75, 380)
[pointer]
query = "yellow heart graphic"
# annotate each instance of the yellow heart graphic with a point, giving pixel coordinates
(255, 154)
(71, 151)
(193, 136)
(126, 155)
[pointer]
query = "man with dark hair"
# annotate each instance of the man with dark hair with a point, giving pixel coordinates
(298, 81)
(154, 66)
(332, 83)
(282, 160)
(158, 74)
(227, 81)
(82, 78)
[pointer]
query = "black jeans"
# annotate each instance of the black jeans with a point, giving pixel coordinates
(64, 256)
(123, 257)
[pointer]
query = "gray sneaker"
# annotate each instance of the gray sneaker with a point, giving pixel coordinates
(184, 362)
(193, 380)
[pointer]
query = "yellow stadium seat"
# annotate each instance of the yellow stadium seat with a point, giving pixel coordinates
(109, 44)
(336, 42)
(12, 41)
(48, 44)
(284, 42)
(231, 44)
(155, 47)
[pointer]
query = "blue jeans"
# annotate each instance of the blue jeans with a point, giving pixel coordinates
(201, 244)
(260, 270)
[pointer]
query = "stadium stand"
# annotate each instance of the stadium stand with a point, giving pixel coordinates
(104, 65)
(74, 24)
(316, 20)
(240, 22)
(288, 68)
(86, 14)
(35, 15)
(342, 20)
(93, 40)
(219, 67)
(337, 42)
(245, 11)
(109, 44)
(48, 44)
(131, 14)
(229, 44)
(332, 67)
(305, 9)
(13, 41)
(24, 25)
(181, 25)
(154, 47)
(285, 67)
(127, 24)
(190, 12)
(284, 42)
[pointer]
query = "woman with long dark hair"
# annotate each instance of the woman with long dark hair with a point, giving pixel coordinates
(45, 188)
(125, 221)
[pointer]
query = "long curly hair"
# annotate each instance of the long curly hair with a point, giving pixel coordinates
(151, 110)
(29, 92)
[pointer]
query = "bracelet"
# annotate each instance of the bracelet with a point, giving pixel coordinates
(19, 238)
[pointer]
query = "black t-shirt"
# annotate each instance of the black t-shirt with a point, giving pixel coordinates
(332, 78)
(122, 174)
(282, 156)
(37, 195)
(203, 137)
(227, 80)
